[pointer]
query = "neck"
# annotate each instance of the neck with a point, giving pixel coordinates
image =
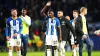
(23, 15)
(75, 17)
(52, 17)
(82, 13)
(14, 17)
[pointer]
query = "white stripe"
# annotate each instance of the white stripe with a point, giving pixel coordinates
(49, 30)
(17, 25)
(54, 27)
(11, 23)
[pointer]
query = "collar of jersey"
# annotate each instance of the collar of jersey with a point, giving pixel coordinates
(14, 18)
(52, 18)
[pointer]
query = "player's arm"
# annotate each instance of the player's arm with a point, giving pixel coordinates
(59, 30)
(60, 33)
(27, 21)
(6, 30)
(44, 9)
(70, 27)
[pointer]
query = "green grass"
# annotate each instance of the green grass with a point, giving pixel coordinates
(94, 53)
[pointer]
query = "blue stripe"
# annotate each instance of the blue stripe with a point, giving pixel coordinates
(52, 28)
(47, 26)
(14, 24)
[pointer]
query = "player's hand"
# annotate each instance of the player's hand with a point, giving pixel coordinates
(84, 36)
(15, 35)
(48, 3)
(8, 38)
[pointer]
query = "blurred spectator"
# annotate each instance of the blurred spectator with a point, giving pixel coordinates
(36, 42)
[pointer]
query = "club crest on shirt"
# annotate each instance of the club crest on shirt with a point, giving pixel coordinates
(54, 21)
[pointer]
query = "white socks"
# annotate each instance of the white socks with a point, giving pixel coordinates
(10, 53)
(48, 52)
(74, 52)
(62, 49)
(77, 49)
(18, 53)
(55, 52)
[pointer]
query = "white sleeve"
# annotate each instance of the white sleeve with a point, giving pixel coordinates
(28, 21)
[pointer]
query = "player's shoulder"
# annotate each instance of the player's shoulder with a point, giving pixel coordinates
(80, 16)
(56, 19)
(9, 19)
(28, 16)
(19, 19)
(20, 16)
(47, 17)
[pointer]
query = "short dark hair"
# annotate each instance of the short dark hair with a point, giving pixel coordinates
(50, 10)
(76, 11)
(24, 9)
(13, 9)
(60, 11)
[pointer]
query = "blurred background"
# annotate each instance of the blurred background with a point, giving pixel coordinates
(36, 39)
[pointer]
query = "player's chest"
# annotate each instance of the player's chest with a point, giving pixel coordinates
(14, 24)
(51, 22)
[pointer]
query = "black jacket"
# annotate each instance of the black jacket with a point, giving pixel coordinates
(65, 27)
(79, 27)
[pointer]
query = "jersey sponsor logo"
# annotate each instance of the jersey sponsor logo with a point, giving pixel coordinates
(63, 22)
(14, 27)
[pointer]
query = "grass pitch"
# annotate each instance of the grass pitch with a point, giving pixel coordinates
(94, 53)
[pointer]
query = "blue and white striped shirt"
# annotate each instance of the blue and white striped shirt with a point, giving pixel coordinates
(51, 25)
(13, 26)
